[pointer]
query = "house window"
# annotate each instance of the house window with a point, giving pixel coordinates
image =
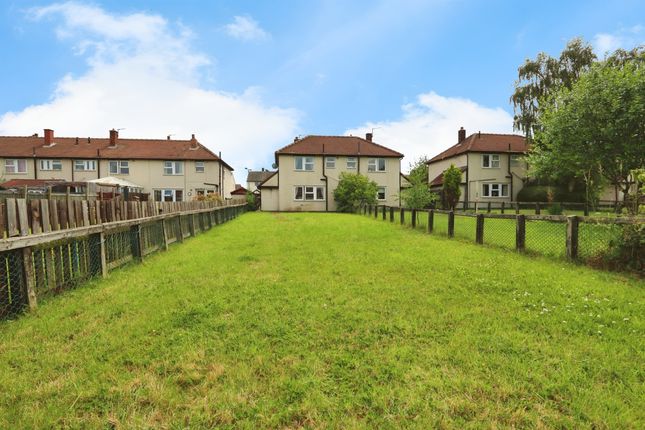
(516, 160)
(169, 195)
(306, 192)
(490, 161)
(304, 163)
(351, 163)
(494, 190)
(199, 167)
(84, 165)
(200, 191)
(51, 165)
(330, 162)
(119, 167)
(380, 194)
(173, 168)
(376, 164)
(15, 166)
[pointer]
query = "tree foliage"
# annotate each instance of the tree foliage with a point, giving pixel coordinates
(595, 129)
(451, 186)
(353, 191)
(418, 195)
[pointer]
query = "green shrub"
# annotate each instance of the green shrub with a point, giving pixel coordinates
(545, 193)
(353, 191)
(627, 251)
(555, 209)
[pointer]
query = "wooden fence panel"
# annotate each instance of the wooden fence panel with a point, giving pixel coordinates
(45, 219)
(23, 219)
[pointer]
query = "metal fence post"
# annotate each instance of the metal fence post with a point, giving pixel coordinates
(451, 224)
(572, 237)
(430, 220)
(520, 233)
(479, 234)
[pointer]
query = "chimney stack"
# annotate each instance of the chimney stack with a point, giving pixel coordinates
(461, 135)
(193, 142)
(368, 136)
(114, 136)
(49, 137)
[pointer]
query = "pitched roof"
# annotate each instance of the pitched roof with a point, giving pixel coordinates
(19, 183)
(258, 175)
(239, 190)
(485, 142)
(126, 149)
(439, 179)
(337, 145)
(261, 185)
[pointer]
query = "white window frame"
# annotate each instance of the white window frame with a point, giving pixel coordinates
(309, 190)
(304, 163)
(200, 167)
(516, 160)
(121, 167)
(498, 186)
(53, 165)
(379, 192)
(84, 165)
(330, 162)
(173, 168)
(374, 164)
(351, 163)
(170, 192)
(492, 160)
(12, 166)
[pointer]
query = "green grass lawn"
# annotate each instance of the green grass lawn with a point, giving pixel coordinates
(331, 320)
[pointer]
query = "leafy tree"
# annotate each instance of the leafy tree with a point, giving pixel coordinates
(539, 78)
(353, 191)
(451, 186)
(418, 195)
(596, 129)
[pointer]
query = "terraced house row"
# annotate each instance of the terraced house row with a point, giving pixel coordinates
(167, 169)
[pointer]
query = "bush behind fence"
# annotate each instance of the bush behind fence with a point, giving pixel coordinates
(38, 266)
(577, 238)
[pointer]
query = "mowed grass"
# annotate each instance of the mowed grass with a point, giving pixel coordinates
(331, 321)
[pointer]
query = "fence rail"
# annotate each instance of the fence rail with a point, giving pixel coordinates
(578, 238)
(34, 266)
(577, 208)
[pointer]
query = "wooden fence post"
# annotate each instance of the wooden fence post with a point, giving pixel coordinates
(104, 267)
(137, 241)
(451, 224)
(413, 218)
(191, 225)
(488, 208)
(164, 230)
(430, 220)
(517, 208)
(572, 237)
(402, 220)
(586, 209)
(391, 213)
(30, 278)
(537, 208)
(502, 208)
(479, 234)
(520, 233)
(384, 212)
(376, 211)
(179, 231)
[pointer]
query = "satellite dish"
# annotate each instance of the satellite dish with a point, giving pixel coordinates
(274, 166)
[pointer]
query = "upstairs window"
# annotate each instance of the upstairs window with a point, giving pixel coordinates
(15, 166)
(119, 167)
(84, 165)
(516, 160)
(173, 168)
(490, 161)
(351, 163)
(304, 163)
(376, 164)
(199, 167)
(51, 165)
(330, 162)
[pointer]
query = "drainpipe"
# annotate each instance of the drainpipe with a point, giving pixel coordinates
(326, 181)
(35, 163)
(467, 193)
(98, 163)
(510, 190)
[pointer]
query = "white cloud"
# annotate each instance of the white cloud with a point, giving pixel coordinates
(625, 38)
(429, 125)
(245, 28)
(143, 75)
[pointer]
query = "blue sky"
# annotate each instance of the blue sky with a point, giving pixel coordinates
(247, 77)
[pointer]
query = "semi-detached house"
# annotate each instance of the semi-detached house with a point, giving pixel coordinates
(168, 169)
(493, 166)
(309, 170)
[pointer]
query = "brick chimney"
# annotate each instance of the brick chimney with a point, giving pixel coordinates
(368, 136)
(114, 136)
(461, 135)
(49, 136)
(193, 142)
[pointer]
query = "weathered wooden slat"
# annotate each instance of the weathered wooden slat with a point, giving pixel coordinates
(63, 217)
(53, 214)
(85, 212)
(71, 214)
(34, 207)
(78, 213)
(44, 212)
(23, 220)
(97, 212)
(3, 220)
